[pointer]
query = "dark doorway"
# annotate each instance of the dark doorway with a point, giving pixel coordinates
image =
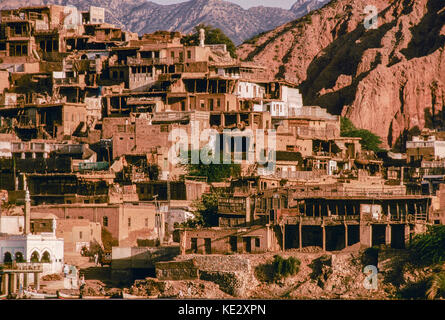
(233, 241)
(194, 245)
(247, 244)
(208, 245)
(353, 234)
(335, 238)
(7, 259)
(19, 257)
(312, 236)
(291, 234)
(398, 236)
(378, 234)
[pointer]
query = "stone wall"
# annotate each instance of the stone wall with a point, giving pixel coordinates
(233, 274)
(177, 270)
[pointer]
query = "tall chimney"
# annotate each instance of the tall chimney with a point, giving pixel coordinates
(27, 213)
(202, 37)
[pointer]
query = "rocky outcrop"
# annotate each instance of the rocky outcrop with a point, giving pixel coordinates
(383, 79)
(145, 16)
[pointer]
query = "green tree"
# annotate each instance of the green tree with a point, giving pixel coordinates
(437, 287)
(206, 211)
(212, 36)
(370, 141)
(285, 267)
(429, 247)
(108, 240)
(215, 172)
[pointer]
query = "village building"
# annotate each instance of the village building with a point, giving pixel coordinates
(126, 222)
(38, 247)
(425, 147)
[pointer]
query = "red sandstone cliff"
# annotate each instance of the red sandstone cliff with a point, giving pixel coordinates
(382, 79)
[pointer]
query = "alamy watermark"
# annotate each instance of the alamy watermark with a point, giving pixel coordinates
(204, 146)
(371, 20)
(371, 280)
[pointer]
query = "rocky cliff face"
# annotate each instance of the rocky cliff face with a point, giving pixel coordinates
(145, 16)
(383, 79)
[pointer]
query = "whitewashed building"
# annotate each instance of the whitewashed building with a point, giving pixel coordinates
(277, 108)
(250, 90)
(425, 147)
(289, 103)
(293, 99)
(44, 248)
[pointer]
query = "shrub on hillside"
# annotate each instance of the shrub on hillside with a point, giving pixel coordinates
(282, 268)
(429, 247)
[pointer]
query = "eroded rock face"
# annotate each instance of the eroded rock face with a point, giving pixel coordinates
(382, 79)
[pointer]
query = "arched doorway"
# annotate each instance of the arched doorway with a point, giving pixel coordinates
(19, 257)
(46, 257)
(35, 257)
(7, 258)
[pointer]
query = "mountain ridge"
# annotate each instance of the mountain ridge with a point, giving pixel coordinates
(142, 16)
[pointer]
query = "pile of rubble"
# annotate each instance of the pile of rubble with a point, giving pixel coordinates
(52, 277)
(325, 276)
(94, 288)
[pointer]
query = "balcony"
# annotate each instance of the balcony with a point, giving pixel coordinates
(67, 81)
(152, 61)
(22, 266)
(232, 205)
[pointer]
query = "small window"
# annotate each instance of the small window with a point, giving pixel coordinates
(146, 222)
(257, 242)
(189, 54)
(142, 190)
(105, 221)
(80, 234)
(129, 222)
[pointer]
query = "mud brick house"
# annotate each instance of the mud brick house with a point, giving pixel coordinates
(50, 120)
(78, 233)
(295, 218)
(428, 146)
(126, 222)
(256, 239)
(26, 30)
(179, 190)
